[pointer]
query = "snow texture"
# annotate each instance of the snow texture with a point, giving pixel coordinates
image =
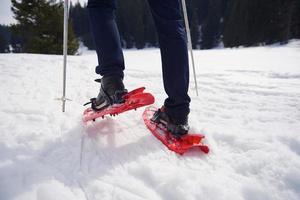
(248, 108)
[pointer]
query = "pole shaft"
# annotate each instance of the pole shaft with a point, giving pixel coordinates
(188, 32)
(65, 51)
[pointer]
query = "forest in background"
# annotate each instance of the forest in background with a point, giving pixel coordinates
(214, 23)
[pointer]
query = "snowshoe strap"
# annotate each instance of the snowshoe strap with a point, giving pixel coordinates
(117, 98)
(98, 80)
(156, 116)
(87, 103)
(93, 106)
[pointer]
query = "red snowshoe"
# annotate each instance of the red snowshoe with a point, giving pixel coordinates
(178, 145)
(133, 100)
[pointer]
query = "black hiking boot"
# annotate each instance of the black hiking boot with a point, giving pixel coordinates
(111, 92)
(178, 128)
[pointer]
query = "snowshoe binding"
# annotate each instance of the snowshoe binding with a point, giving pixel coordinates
(111, 92)
(175, 126)
(113, 99)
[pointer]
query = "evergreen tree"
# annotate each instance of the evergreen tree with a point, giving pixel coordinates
(16, 40)
(3, 44)
(122, 25)
(207, 21)
(193, 9)
(80, 22)
(130, 20)
(293, 19)
(211, 26)
(4, 39)
(233, 22)
(40, 27)
(150, 34)
(257, 22)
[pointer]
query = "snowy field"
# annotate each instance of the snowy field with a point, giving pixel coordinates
(248, 108)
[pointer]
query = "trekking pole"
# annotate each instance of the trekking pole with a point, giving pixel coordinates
(65, 52)
(188, 32)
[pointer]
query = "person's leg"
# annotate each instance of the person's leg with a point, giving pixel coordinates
(106, 37)
(174, 55)
(109, 51)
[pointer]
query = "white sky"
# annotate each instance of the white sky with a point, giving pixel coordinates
(6, 16)
(5, 12)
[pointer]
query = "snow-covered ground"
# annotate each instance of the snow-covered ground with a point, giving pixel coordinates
(248, 108)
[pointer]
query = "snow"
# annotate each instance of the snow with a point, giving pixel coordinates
(248, 108)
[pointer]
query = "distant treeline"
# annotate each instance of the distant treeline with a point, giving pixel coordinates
(214, 23)
(137, 28)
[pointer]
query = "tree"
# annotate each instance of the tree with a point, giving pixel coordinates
(259, 22)
(233, 22)
(40, 27)
(130, 16)
(80, 23)
(3, 44)
(293, 19)
(150, 35)
(193, 10)
(4, 39)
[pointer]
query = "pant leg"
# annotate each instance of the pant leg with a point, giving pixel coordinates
(106, 37)
(174, 54)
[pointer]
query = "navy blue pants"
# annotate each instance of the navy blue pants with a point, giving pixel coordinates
(173, 46)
